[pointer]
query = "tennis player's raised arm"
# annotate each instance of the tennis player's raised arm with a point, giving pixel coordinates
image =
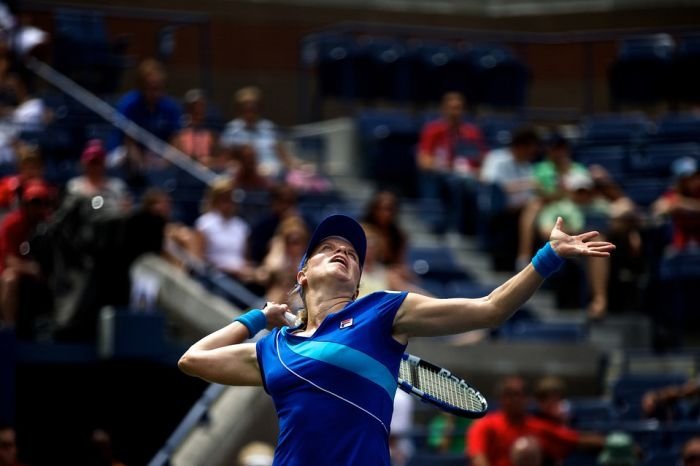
(424, 316)
(223, 357)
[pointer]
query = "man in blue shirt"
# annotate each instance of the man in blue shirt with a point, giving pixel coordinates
(333, 376)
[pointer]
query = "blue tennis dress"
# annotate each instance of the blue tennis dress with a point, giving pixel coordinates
(334, 391)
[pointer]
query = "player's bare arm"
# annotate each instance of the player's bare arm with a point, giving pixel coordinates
(223, 357)
(424, 316)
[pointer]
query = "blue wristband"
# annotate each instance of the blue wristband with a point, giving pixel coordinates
(254, 320)
(546, 261)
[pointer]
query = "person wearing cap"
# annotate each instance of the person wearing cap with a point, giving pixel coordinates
(619, 450)
(582, 209)
(94, 183)
(332, 373)
(16, 263)
(682, 204)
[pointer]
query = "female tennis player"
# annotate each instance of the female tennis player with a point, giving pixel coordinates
(333, 377)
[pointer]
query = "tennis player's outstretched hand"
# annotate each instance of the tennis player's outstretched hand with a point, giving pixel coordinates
(580, 245)
(278, 315)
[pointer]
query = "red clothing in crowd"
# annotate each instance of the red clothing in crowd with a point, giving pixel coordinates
(686, 225)
(15, 232)
(493, 436)
(447, 145)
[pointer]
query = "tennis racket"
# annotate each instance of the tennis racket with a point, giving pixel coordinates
(438, 386)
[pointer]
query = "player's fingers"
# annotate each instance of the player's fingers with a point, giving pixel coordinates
(600, 244)
(587, 236)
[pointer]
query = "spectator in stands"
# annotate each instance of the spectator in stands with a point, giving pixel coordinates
(510, 169)
(283, 204)
(8, 446)
(663, 403)
(29, 113)
(249, 128)
(29, 167)
(19, 270)
(195, 139)
(690, 454)
(526, 451)
(619, 450)
(150, 108)
(449, 156)
(376, 276)
(447, 433)
(246, 173)
(223, 233)
(382, 214)
(583, 210)
(256, 454)
(106, 193)
(550, 404)
(491, 438)
(101, 449)
(549, 176)
(278, 272)
(682, 204)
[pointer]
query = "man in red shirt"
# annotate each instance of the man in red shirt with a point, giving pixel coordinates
(16, 229)
(491, 438)
(449, 157)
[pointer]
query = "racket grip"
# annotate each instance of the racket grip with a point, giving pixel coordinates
(290, 318)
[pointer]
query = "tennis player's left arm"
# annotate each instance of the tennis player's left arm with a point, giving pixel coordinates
(424, 316)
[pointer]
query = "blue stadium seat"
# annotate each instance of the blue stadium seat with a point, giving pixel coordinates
(612, 157)
(661, 458)
(385, 59)
(588, 410)
(656, 158)
(614, 128)
(581, 458)
(438, 459)
(641, 74)
(334, 56)
(686, 69)
(435, 69)
(644, 191)
(678, 127)
(436, 264)
(498, 129)
(554, 332)
(500, 79)
(681, 266)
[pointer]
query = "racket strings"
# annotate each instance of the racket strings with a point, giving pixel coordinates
(443, 388)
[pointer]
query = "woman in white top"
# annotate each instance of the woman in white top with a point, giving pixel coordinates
(223, 234)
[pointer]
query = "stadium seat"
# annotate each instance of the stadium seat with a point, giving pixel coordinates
(435, 69)
(614, 128)
(500, 78)
(678, 127)
(334, 56)
(385, 59)
(611, 157)
(438, 459)
(656, 158)
(436, 264)
(644, 191)
(498, 129)
(686, 70)
(553, 332)
(661, 458)
(588, 410)
(642, 71)
(628, 390)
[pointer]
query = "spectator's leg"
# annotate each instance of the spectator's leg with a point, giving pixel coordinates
(598, 272)
(526, 229)
(9, 292)
(431, 190)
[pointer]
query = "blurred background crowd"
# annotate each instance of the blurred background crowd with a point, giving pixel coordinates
(156, 163)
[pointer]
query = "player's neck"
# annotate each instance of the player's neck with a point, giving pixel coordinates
(319, 306)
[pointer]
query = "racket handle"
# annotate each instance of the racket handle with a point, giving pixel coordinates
(290, 318)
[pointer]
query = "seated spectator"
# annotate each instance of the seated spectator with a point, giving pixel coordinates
(583, 210)
(491, 438)
(223, 233)
(106, 193)
(690, 454)
(246, 173)
(150, 108)
(378, 277)
(682, 204)
(8, 446)
(30, 113)
(550, 404)
(249, 128)
(195, 139)
(549, 176)
(278, 272)
(19, 270)
(663, 404)
(29, 167)
(526, 451)
(449, 156)
(101, 453)
(511, 170)
(619, 450)
(283, 204)
(382, 214)
(446, 433)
